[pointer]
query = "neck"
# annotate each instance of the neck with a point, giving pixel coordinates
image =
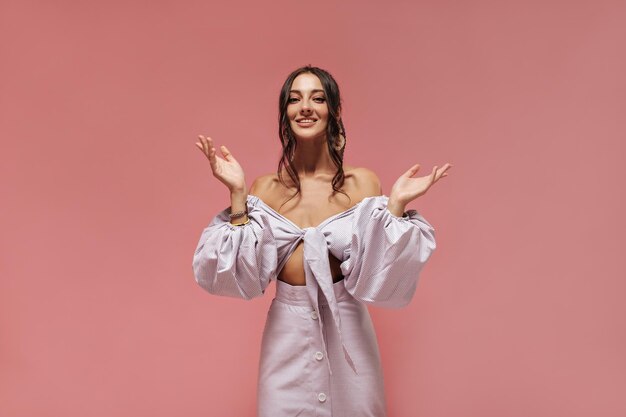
(312, 158)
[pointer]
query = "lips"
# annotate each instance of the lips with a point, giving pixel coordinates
(306, 122)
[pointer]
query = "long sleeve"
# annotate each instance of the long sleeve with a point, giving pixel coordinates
(236, 261)
(386, 254)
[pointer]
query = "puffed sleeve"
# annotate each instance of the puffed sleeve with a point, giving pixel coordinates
(236, 261)
(382, 264)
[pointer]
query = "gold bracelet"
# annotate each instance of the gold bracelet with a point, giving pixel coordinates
(241, 224)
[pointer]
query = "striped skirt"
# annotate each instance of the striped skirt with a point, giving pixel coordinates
(294, 379)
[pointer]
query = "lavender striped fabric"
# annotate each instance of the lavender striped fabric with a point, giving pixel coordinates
(381, 258)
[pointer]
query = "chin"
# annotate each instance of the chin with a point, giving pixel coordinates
(307, 134)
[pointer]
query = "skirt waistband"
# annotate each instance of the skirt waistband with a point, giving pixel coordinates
(298, 294)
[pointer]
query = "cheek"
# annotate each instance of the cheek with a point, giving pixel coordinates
(324, 116)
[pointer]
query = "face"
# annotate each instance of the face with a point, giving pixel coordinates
(307, 108)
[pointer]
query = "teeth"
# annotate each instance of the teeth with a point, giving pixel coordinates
(305, 120)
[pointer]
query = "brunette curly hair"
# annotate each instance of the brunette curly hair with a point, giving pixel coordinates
(335, 131)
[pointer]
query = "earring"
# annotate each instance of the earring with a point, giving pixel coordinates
(340, 143)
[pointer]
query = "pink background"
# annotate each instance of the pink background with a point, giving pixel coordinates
(520, 312)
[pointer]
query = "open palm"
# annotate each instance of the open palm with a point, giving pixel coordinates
(407, 188)
(226, 169)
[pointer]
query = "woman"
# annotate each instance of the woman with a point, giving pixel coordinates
(332, 242)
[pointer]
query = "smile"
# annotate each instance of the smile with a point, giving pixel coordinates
(305, 122)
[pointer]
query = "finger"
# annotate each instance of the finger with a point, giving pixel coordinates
(442, 171)
(212, 151)
(433, 175)
(215, 161)
(412, 171)
(205, 148)
(227, 155)
(209, 144)
(210, 147)
(212, 159)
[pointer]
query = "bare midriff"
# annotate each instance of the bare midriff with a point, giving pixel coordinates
(293, 271)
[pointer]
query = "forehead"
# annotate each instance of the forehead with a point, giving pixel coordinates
(306, 83)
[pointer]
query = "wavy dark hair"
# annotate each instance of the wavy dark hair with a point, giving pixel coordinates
(333, 129)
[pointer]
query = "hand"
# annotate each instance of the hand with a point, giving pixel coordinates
(226, 169)
(407, 188)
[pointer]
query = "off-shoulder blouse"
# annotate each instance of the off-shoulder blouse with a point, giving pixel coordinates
(381, 254)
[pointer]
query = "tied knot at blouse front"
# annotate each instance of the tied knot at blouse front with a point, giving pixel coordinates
(381, 255)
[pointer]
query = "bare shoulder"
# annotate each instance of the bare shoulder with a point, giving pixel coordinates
(263, 185)
(366, 182)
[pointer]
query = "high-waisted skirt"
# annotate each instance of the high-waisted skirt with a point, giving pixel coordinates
(294, 379)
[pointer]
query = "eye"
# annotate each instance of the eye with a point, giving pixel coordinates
(292, 99)
(321, 99)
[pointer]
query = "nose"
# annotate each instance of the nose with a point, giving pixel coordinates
(306, 108)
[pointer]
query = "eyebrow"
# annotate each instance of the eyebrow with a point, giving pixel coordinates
(312, 91)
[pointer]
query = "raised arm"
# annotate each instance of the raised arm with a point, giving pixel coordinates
(236, 261)
(235, 257)
(389, 246)
(386, 254)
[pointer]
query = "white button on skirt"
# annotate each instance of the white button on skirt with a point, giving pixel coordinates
(293, 370)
